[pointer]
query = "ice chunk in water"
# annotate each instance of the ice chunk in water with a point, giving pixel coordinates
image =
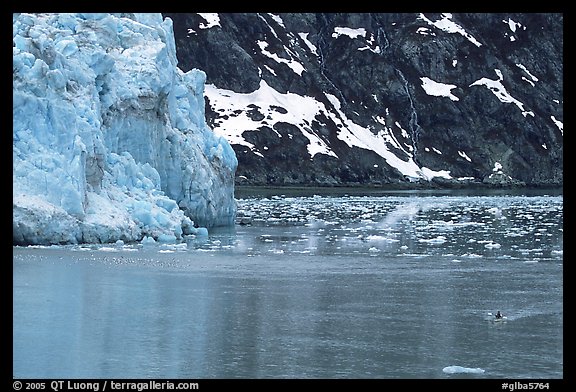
(462, 369)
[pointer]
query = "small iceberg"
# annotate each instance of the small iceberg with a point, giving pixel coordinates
(461, 369)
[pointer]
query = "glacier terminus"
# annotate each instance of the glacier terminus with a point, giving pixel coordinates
(110, 141)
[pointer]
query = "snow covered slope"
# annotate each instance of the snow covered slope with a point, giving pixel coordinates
(407, 99)
(110, 140)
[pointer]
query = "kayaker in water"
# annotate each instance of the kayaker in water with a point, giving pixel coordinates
(498, 315)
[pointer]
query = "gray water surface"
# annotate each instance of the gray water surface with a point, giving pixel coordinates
(311, 287)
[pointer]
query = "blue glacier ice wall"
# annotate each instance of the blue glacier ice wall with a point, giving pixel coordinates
(110, 140)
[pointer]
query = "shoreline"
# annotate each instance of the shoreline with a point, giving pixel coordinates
(245, 191)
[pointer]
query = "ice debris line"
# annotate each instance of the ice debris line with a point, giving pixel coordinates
(110, 140)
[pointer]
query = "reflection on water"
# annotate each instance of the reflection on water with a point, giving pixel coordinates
(315, 287)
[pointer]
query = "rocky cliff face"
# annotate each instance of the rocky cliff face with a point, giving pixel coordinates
(413, 99)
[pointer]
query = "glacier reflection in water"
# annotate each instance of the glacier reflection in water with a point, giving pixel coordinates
(308, 287)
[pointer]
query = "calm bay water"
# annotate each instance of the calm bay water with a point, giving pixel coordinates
(338, 286)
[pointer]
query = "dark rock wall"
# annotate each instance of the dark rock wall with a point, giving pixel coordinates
(376, 75)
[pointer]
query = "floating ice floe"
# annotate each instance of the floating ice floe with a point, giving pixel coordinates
(461, 369)
(434, 241)
(381, 238)
(492, 245)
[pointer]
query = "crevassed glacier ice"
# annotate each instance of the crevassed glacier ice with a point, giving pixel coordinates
(110, 140)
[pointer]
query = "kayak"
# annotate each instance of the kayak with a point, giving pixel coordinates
(495, 319)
